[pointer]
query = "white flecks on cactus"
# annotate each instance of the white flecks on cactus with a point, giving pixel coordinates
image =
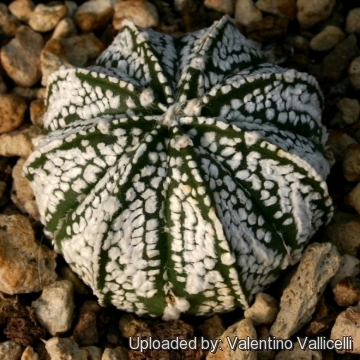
(181, 175)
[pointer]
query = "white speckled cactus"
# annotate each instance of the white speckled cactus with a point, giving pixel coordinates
(181, 175)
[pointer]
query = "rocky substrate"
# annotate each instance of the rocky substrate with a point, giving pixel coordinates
(46, 312)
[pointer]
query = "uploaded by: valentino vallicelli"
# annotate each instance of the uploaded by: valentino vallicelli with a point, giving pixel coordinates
(245, 344)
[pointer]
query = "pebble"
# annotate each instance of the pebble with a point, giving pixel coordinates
(12, 111)
(65, 348)
(41, 93)
(336, 62)
(353, 21)
(354, 73)
(319, 263)
(263, 311)
(3, 87)
(72, 7)
(269, 29)
(351, 163)
(54, 309)
(349, 266)
(348, 323)
(8, 23)
(354, 195)
(79, 50)
(344, 232)
(93, 14)
(241, 329)
(29, 354)
(93, 352)
(85, 331)
(52, 58)
(212, 328)
(286, 8)
(246, 13)
(20, 58)
(118, 353)
(65, 28)
(32, 268)
(348, 114)
(9, 350)
(298, 354)
(299, 42)
(37, 110)
(310, 13)
(22, 9)
(19, 142)
(22, 194)
(45, 17)
(327, 38)
(349, 109)
(338, 142)
(141, 12)
(222, 6)
(129, 326)
(322, 320)
(27, 94)
(69, 52)
(347, 291)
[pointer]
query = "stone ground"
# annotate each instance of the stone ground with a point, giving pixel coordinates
(58, 317)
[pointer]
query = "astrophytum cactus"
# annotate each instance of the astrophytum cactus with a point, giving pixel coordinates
(181, 175)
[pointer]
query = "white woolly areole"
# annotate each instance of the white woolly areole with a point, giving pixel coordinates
(175, 307)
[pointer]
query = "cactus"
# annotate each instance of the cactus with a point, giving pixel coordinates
(181, 175)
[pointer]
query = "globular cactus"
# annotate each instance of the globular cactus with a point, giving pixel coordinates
(181, 175)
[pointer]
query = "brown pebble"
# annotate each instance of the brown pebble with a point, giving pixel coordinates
(37, 110)
(212, 328)
(348, 323)
(143, 13)
(85, 331)
(30, 269)
(354, 73)
(344, 232)
(45, 17)
(336, 62)
(20, 58)
(268, 28)
(12, 111)
(19, 142)
(347, 291)
(93, 15)
(351, 163)
(323, 319)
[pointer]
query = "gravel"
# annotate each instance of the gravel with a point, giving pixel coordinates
(50, 314)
